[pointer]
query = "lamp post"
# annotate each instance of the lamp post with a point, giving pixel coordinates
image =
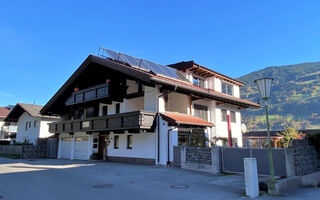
(264, 88)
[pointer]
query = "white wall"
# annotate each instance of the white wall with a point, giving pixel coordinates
(222, 126)
(134, 104)
(44, 128)
(32, 133)
(217, 84)
(236, 91)
(143, 146)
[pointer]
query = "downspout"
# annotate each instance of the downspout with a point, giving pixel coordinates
(169, 130)
(158, 119)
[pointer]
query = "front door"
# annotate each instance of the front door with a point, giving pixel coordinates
(102, 149)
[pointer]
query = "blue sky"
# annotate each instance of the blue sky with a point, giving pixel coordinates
(43, 42)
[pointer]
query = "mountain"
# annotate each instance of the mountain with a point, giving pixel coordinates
(294, 101)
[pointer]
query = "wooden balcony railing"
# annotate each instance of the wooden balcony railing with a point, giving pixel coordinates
(89, 94)
(137, 120)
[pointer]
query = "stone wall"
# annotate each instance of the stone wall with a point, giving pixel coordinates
(306, 158)
(199, 155)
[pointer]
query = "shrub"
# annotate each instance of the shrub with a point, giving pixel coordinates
(289, 134)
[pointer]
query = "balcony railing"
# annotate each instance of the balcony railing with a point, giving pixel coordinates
(138, 120)
(89, 94)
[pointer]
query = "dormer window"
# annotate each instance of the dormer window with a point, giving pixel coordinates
(198, 81)
(227, 88)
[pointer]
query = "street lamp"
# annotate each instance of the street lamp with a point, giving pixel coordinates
(264, 88)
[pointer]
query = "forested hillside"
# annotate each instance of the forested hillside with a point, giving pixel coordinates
(295, 97)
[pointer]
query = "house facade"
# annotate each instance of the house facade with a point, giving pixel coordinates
(122, 108)
(8, 130)
(31, 125)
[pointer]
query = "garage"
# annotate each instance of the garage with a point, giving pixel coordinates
(81, 147)
(65, 151)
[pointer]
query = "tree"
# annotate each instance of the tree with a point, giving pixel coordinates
(289, 134)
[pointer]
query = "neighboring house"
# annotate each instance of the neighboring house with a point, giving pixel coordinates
(8, 130)
(128, 109)
(31, 125)
(258, 139)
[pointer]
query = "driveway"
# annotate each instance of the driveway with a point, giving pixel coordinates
(65, 179)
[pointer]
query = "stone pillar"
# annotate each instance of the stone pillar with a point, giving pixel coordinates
(183, 156)
(215, 159)
(251, 177)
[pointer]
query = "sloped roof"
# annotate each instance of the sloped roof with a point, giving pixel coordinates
(146, 77)
(32, 109)
(4, 112)
(184, 119)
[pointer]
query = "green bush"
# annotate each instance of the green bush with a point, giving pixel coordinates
(314, 139)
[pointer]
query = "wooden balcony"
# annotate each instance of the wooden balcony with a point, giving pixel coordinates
(89, 94)
(137, 120)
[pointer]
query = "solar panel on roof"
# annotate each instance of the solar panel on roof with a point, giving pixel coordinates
(145, 64)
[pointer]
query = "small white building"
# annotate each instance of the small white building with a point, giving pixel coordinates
(31, 125)
(8, 130)
(122, 108)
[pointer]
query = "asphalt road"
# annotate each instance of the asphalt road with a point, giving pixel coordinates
(65, 179)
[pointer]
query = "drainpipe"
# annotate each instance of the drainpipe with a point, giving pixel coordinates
(158, 119)
(169, 130)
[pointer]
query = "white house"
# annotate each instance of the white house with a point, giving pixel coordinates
(31, 125)
(8, 130)
(121, 108)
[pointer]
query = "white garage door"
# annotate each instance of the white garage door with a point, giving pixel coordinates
(81, 148)
(65, 151)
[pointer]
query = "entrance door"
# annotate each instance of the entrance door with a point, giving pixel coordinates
(65, 151)
(81, 148)
(102, 149)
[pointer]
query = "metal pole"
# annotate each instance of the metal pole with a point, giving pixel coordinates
(271, 167)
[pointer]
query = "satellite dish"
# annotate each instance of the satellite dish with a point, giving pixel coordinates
(244, 128)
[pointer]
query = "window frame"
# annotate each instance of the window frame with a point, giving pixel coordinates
(233, 119)
(200, 82)
(129, 141)
(202, 110)
(117, 108)
(116, 142)
(224, 118)
(224, 86)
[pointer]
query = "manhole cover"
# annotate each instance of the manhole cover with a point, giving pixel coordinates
(104, 186)
(179, 186)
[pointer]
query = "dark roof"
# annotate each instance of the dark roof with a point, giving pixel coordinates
(263, 134)
(184, 119)
(144, 76)
(191, 65)
(32, 109)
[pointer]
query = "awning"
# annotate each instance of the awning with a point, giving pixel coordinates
(184, 119)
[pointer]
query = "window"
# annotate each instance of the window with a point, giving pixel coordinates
(201, 111)
(89, 112)
(117, 108)
(78, 114)
(116, 142)
(227, 88)
(26, 125)
(233, 116)
(104, 110)
(35, 123)
(129, 142)
(29, 124)
(223, 115)
(198, 81)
